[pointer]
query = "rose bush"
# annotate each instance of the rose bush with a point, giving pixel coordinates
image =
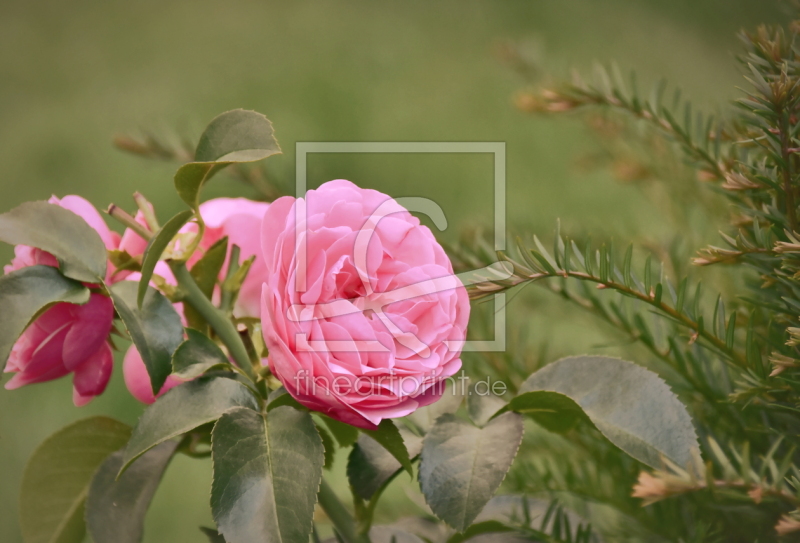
(383, 353)
(361, 319)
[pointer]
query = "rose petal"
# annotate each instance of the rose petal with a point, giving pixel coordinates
(91, 377)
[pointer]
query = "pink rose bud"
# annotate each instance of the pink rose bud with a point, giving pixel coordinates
(240, 220)
(138, 380)
(66, 338)
(361, 312)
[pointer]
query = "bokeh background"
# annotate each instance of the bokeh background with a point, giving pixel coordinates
(74, 74)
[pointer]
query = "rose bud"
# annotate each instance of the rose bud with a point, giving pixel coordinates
(138, 380)
(66, 338)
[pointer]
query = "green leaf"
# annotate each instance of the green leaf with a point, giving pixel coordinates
(544, 262)
(196, 355)
(626, 266)
(184, 408)
(344, 434)
(730, 332)
(205, 273)
(115, 509)
(462, 465)
(26, 292)
(123, 261)
(267, 473)
(80, 252)
(155, 328)
(424, 417)
(281, 397)
(481, 407)
(389, 436)
(328, 444)
(681, 295)
(370, 465)
(237, 136)
(658, 293)
(206, 270)
(155, 248)
(191, 177)
(234, 136)
(233, 283)
(546, 259)
(554, 411)
(57, 477)
(212, 535)
(630, 405)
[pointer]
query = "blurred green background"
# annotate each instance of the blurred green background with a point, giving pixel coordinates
(73, 74)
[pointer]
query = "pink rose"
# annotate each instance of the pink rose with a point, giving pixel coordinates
(66, 338)
(138, 380)
(240, 220)
(381, 319)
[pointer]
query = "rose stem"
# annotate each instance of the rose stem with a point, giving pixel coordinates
(122, 216)
(340, 517)
(221, 324)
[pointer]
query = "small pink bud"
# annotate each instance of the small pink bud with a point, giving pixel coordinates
(138, 380)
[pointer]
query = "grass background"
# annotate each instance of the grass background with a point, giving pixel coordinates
(73, 74)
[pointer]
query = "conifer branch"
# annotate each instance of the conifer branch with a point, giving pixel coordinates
(599, 267)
